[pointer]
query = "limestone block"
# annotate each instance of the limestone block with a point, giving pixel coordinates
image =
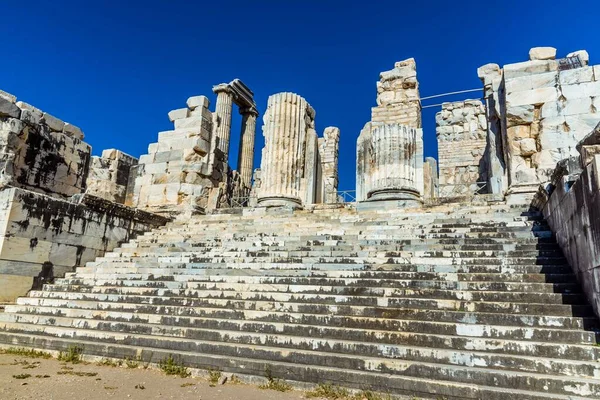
(11, 125)
(551, 109)
(147, 159)
(31, 117)
(52, 122)
(577, 75)
(542, 53)
(198, 101)
(180, 113)
(529, 68)
(577, 106)
(488, 71)
(155, 168)
(596, 72)
(519, 132)
(166, 156)
(589, 153)
(535, 96)
(25, 249)
(583, 56)
(7, 96)
(72, 130)
(581, 125)
(550, 139)
(9, 108)
(557, 124)
(577, 91)
(519, 115)
(528, 147)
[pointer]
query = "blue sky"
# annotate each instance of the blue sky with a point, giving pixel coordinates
(116, 68)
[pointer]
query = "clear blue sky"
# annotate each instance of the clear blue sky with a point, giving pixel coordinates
(116, 68)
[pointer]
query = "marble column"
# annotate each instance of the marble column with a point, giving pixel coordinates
(287, 122)
(222, 123)
(246, 150)
(391, 152)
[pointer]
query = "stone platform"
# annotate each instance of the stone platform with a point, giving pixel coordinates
(453, 301)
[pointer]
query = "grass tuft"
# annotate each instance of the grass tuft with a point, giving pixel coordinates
(273, 383)
(328, 391)
(72, 355)
(172, 367)
(213, 377)
(23, 352)
(22, 376)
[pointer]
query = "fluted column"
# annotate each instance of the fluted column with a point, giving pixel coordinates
(222, 126)
(286, 124)
(393, 164)
(246, 151)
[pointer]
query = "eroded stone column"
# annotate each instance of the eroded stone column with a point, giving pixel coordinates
(391, 153)
(222, 123)
(287, 122)
(246, 151)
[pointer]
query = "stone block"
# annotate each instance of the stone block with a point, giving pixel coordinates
(488, 71)
(73, 131)
(527, 147)
(166, 156)
(31, 117)
(52, 122)
(529, 68)
(180, 113)
(542, 53)
(586, 89)
(577, 106)
(147, 159)
(7, 96)
(577, 75)
(518, 132)
(198, 101)
(556, 140)
(519, 115)
(551, 109)
(534, 96)
(9, 108)
(581, 125)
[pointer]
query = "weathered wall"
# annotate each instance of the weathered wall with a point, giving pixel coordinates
(573, 213)
(461, 129)
(398, 99)
(40, 152)
(37, 229)
(179, 171)
(546, 112)
(109, 175)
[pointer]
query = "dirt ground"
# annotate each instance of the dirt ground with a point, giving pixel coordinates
(51, 379)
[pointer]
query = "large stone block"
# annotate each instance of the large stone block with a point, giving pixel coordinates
(542, 53)
(9, 108)
(534, 96)
(52, 122)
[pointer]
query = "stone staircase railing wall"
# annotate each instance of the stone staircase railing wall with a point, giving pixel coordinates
(572, 209)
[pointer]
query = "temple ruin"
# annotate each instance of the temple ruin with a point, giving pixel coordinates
(471, 276)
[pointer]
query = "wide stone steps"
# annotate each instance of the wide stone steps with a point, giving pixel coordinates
(346, 278)
(294, 371)
(470, 370)
(329, 342)
(361, 330)
(552, 317)
(461, 303)
(367, 287)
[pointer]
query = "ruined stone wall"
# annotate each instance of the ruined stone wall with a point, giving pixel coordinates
(461, 129)
(39, 233)
(40, 152)
(398, 99)
(546, 112)
(109, 175)
(181, 168)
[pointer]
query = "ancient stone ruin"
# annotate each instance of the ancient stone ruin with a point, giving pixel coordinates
(473, 276)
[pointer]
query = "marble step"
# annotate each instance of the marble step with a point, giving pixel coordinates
(371, 288)
(461, 337)
(482, 374)
(422, 299)
(292, 371)
(296, 340)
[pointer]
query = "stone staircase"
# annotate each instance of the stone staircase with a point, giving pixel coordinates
(451, 302)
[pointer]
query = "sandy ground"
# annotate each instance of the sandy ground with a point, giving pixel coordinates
(54, 380)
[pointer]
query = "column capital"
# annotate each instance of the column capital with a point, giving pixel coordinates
(249, 110)
(223, 87)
